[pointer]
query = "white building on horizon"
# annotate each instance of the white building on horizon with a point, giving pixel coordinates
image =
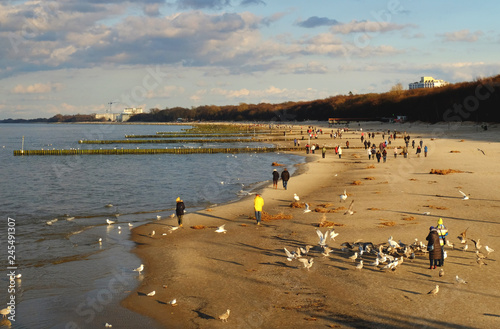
(120, 117)
(427, 82)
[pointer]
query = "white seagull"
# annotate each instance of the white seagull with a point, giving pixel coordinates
(130, 225)
(360, 265)
(343, 196)
(173, 228)
(393, 243)
(307, 208)
(173, 302)
(223, 317)
(107, 325)
(158, 217)
(434, 291)
(296, 197)
(466, 196)
(460, 280)
(140, 269)
(5, 311)
(290, 255)
(349, 211)
(151, 294)
(333, 235)
(488, 249)
(109, 221)
(307, 263)
(322, 237)
(221, 229)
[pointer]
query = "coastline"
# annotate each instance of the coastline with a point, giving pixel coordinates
(245, 270)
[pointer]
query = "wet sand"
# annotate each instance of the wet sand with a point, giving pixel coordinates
(245, 270)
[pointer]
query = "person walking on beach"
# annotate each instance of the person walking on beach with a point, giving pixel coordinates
(285, 176)
(384, 154)
(419, 150)
(395, 152)
(442, 232)
(340, 152)
(323, 151)
(276, 178)
(369, 154)
(425, 151)
(179, 210)
(307, 148)
(378, 155)
(258, 203)
(434, 248)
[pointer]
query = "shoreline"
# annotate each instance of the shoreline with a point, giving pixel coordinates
(246, 270)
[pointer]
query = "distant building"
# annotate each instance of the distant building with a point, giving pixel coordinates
(120, 117)
(427, 82)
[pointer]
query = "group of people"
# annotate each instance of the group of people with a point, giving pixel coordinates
(285, 176)
(436, 239)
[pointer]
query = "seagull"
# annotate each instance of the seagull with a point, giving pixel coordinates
(460, 280)
(221, 229)
(477, 244)
(393, 243)
(119, 227)
(488, 249)
(481, 151)
(480, 255)
(360, 265)
(139, 269)
(130, 225)
(333, 235)
(307, 208)
(158, 217)
(322, 237)
(375, 263)
(290, 255)
(434, 291)
(224, 316)
(296, 197)
(152, 234)
(70, 218)
(107, 325)
(353, 257)
(427, 213)
(465, 247)
(441, 272)
(466, 196)
(450, 244)
(109, 205)
(480, 262)
(173, 228)
(305, 250)
(349, 210)
(100, 241)
(151, 294)
(173, 302)
(5, 311)
(343, 196)
(110, 221)
(326, 251)
(307, 264)
(172, 216)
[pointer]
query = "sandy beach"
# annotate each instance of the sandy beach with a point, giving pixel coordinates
(245, 270)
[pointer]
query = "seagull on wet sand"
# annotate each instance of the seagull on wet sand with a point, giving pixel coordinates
(109, 221)
(158, 217)
(343, 196)
(140, 269)
(460, 280)
(223, 317)
(173, 228)
(221, 229)
(434, 291)
(296, 197)
(152, 234)
(173, 302)
(151, 294)
(465, 196)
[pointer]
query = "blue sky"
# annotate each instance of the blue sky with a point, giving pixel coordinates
(70, 56)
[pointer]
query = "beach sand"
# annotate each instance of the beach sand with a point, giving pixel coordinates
(245, 270)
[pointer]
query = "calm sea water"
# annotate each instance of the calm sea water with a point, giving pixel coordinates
(69, 280)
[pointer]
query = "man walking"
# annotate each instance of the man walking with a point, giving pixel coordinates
(285, 176)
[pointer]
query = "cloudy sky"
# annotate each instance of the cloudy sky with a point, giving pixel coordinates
(77, 56)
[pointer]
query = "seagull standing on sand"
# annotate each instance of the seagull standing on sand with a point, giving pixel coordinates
(434, 291)
(360, 265)
(353, 257)
(441, 272)
(151, 294)
(460, 280)
(139, 269)
(296, 197)
(477, 244)
(224, 316)
(5, 311)
(343, 196)
(221, 229)
(307, 208)
(489, 250)
(109, 221)
(173, 302)
(465, 196)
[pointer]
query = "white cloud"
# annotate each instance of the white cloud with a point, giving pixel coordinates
(462, 35)
(37, 88)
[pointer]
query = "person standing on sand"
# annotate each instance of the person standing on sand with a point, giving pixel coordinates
(179, 210)
(276, 178)
(395, 152)
(419, 150)
(378, 155)
(435, 252)
(340, 152)
(285, 176)
(442, 232)
(258, 204)
(384, 154)
(323, 151)
(425, 151)
(369, 154)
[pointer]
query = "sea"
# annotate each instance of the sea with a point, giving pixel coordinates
(53, 211)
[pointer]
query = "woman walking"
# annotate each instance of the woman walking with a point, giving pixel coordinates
(434, 248)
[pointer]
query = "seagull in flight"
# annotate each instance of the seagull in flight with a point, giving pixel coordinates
(109, 221)
(307, 263)
(296, 197)
(349, 211)
(333, 234)
(322, 237)
(290, 255)
(221, 229)
(465, 196)
(307, 208)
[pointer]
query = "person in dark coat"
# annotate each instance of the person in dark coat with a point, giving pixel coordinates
(435, 255)
(179, 210)
(276, 178)
(285, 176)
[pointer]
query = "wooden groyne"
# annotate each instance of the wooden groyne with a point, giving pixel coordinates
(154, 151)
(184, 135)
(169, 141)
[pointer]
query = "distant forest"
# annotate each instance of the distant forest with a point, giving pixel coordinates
(467, 101)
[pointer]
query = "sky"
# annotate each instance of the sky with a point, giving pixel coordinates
(98, 56)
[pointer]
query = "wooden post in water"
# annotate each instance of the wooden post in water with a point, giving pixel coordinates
(22, 146)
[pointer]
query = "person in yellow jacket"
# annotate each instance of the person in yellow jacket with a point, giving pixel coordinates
(442, 232)
(258, 203)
